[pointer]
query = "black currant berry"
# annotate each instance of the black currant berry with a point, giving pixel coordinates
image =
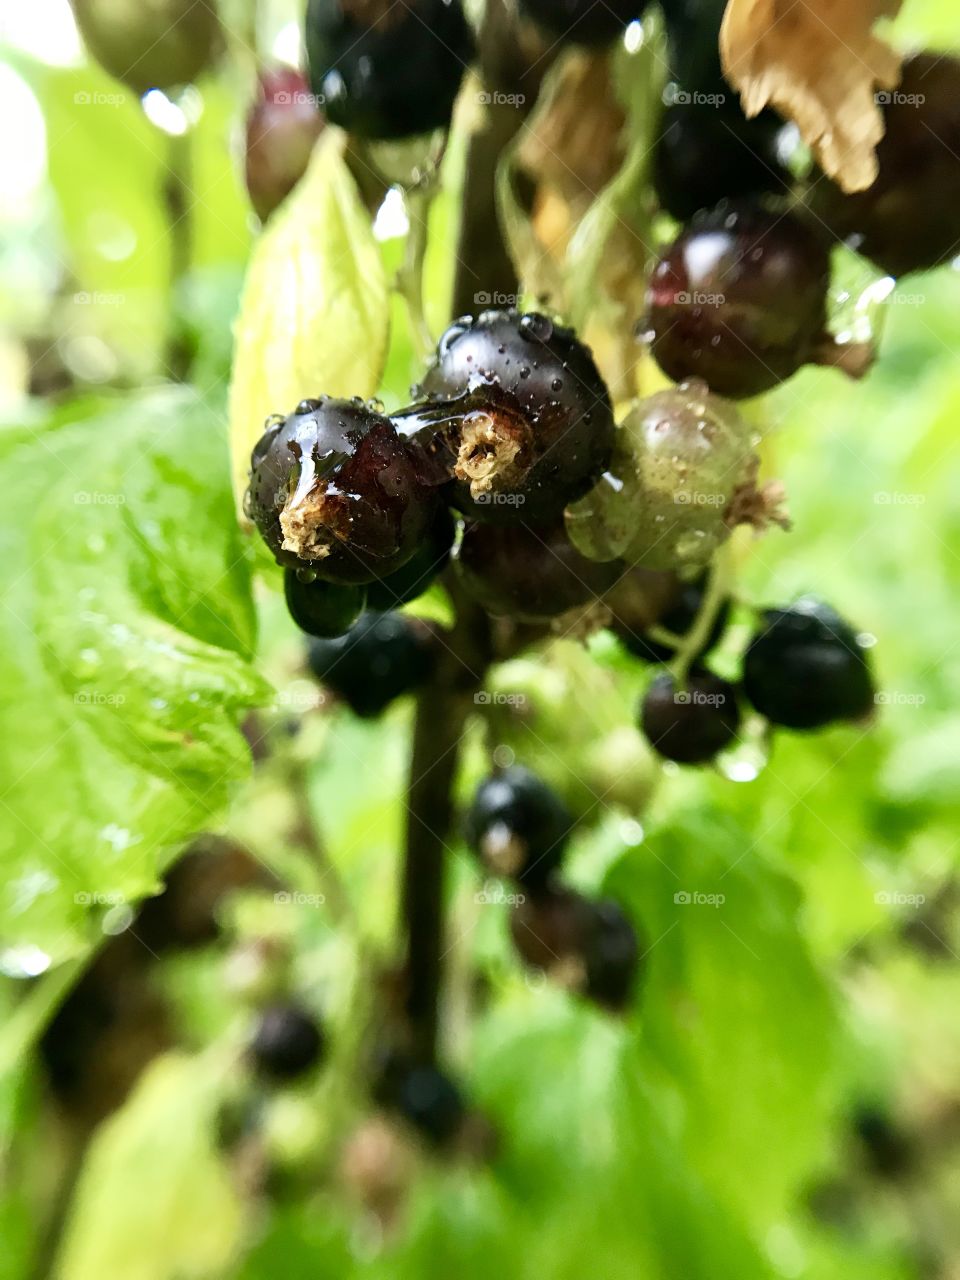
(381, 658)
(282, 127)
(421, 1093)
(288, 1041)
(693, 52)
(518, 826)
(150, 46)
(704, 156)
(590, 947)
(319, 608)
(538, 428)
(333, 489)
(909, 218)
(740, 300)
(387, 70)
(678, 618)
(806, 668)
(413, 579)
(692, 724)
(586, 22)
(529, 573)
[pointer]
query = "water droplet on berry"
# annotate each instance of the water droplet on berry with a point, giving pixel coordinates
(536, 327)
(459, 327)
(556, 384)
(503, 757)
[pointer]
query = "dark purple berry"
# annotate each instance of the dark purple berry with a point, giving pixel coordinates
(387, 70)
(333, 489)
(321, 608)
(381, 658)
(546, 431)
(806, 668)
(590, 947)
(423, 567)
(690, 724)
(518, 826)
(423, 1095)
(704, 156)
(909, 218)
(529, 573)
(740, 300)
(282, 126)
(584, 22)
(288, 1041)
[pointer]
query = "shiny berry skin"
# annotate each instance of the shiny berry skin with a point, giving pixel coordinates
(321, 608)
(679, 618)
(806, 668)
(282, 126)
(423, 1095)
(550, 429)
(387, 70)
(703, 157)
(589, 946)
(381, 658)
(693, 50)
(423, 567)
(583, 22)
(740, 300)
(333, 489)
(529, 573)
(690, 725)
(518, 826)
(909, 218)
(288, 1041)
(160, 45)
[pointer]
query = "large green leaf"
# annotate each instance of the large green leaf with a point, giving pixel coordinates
(154, 1201)
(127, 633)
(314, 318)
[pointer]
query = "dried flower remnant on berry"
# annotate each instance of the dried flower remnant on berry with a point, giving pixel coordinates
(820, 64)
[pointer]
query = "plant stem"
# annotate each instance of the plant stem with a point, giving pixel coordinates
(718, 588)
(410, 277)
(176, 198)
(441, 715)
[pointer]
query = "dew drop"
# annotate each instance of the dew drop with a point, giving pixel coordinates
(556, 384)
(536, 327)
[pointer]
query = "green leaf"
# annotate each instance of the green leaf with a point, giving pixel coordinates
(154, 1201)
(735, 1016)
(127, 635)
(314, 317)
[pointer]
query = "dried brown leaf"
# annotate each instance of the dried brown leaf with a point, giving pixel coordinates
(819, 63)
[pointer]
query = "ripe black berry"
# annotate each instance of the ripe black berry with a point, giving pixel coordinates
(381, 658)
(321, 608)
(413, 579)
(518, 826)
(282, 127)
(679, 617)
(590, 947)
(288, 1041)
(421, 1093)
(333, 489)
(909, 218)
(387, 70)
(806, 668)
(740, 300)
(156, 46)
(693, 51)
(586, 22)
(529, 573)
(704, 156)
(690, 725)
(548, 428)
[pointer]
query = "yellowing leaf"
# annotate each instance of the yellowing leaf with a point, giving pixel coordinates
(154, 1201)
(314, 315)
(818, 62)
